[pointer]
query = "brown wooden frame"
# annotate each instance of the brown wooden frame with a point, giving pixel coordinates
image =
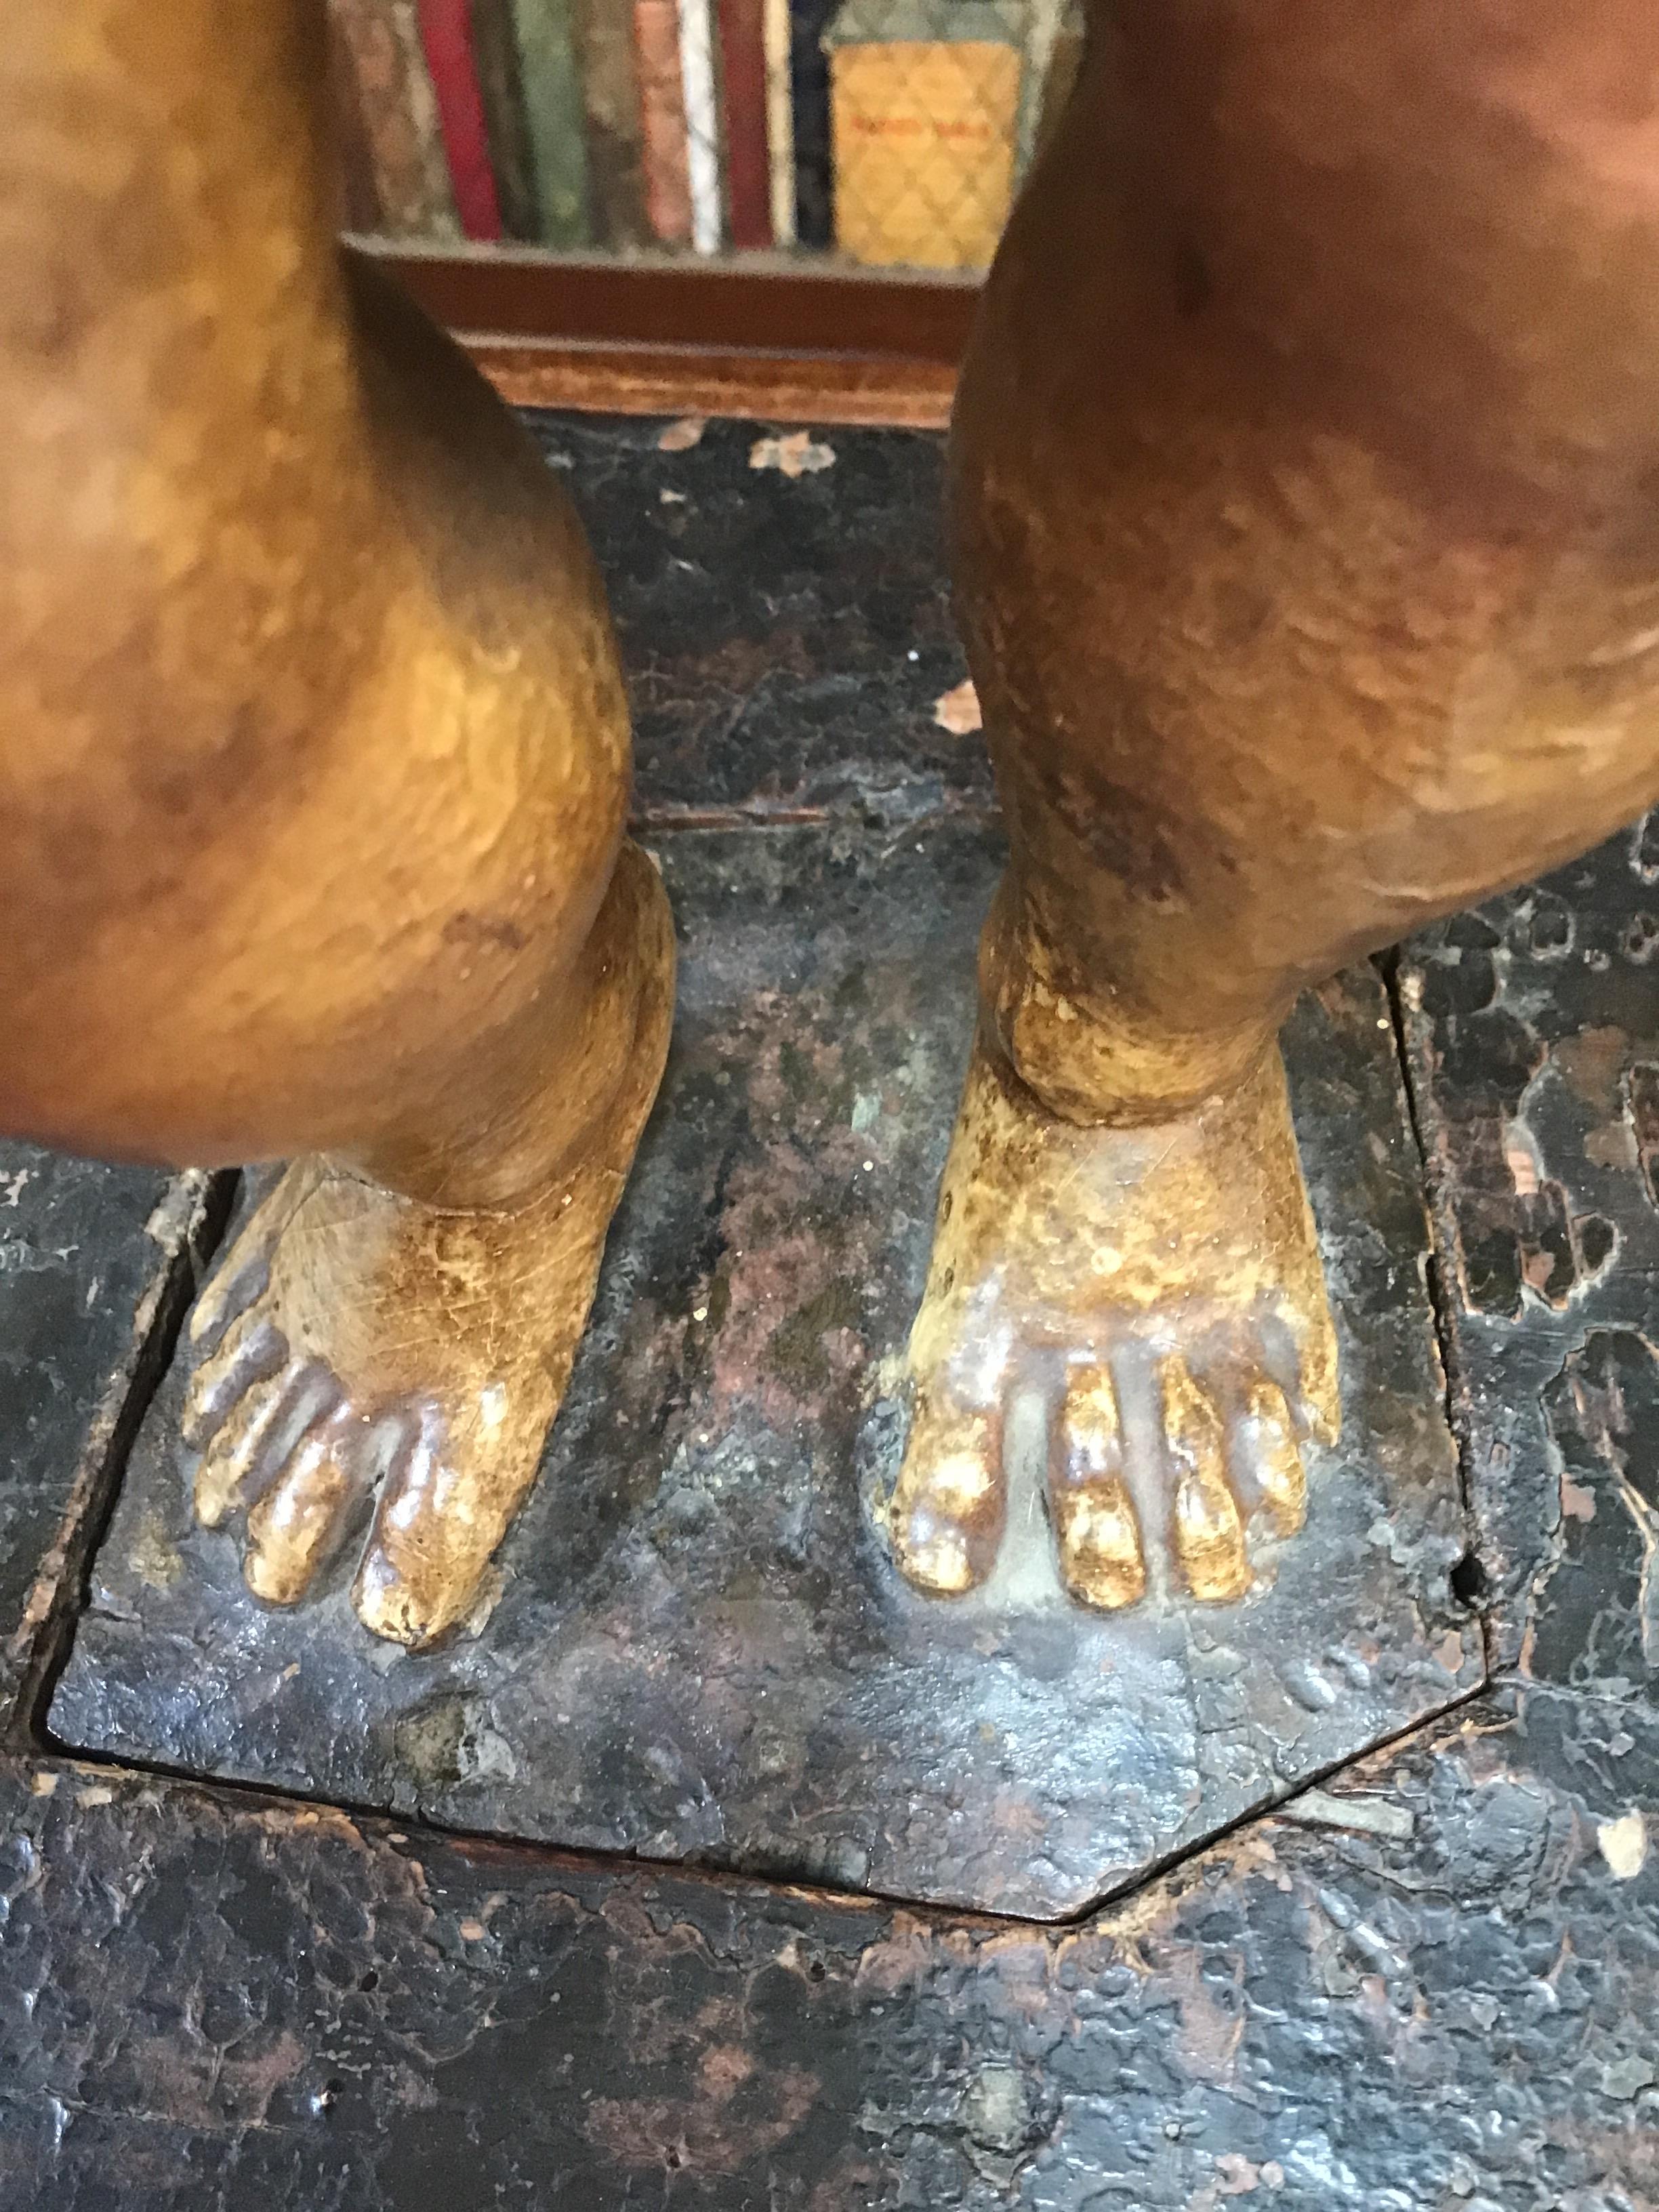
(768, 338)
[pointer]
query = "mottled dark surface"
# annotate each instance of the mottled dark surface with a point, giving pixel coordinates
(702, 1650)
(87, 1255)
(1432, 1991)
(1534, 1033)
(787, 638)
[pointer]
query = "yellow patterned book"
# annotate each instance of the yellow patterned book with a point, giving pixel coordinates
(924, 108)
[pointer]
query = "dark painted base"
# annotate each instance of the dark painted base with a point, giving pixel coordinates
(1533, 1026)
(1433, 1990)
(702, 1650)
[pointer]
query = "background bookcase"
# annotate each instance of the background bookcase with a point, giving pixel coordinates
(698, 203)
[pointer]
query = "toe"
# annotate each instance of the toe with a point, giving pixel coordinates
(1268, 1460)
(1206, 1527)
(243, 1278)
(405, 1588)
(459, 1469)
(1102, 1560)
(443, 1512)
(244, 1273)
(948, 1505)
(252, 1351)
(297, 1527)
(257, 1438)
(233, 1444)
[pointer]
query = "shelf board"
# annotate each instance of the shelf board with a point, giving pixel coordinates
(775, 341)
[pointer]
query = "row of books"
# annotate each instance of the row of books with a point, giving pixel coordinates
(893, 131)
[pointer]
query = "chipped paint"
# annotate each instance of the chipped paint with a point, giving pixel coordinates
(1624, 1844)
(1365, 1815)
(797, 453)
(957, 710)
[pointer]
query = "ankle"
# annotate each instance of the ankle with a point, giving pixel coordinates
(1089, 1054)
(544, 1098)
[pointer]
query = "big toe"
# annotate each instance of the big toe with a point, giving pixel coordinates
(948, 1506)
(444, 1510)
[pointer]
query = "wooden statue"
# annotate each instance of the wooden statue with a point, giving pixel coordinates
(313, 773)
(1305, 487)
(1306, 509)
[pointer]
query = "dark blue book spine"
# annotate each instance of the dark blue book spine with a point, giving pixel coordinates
(815, 190)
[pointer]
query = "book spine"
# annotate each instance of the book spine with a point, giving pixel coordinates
(815, 195)
(780, 120)
(447, 36)
(422, 98)
(1043, 23)
(399, 117)
(662, 121)
(702, 122)
(744, 92)
(553, 110)
(603, 35)
(507, 132)
(360, 200)
(924, 143)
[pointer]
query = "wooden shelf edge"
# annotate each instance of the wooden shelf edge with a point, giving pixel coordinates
(730, 308)
(876, 392)
(778, 342)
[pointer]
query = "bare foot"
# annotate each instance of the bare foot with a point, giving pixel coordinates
(363, 1355)
(1161, 1288)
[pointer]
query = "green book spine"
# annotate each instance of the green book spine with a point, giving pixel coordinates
(512, 157)
(555, 117)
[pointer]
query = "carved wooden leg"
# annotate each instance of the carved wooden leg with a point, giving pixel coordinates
(313, 769)
(1304, 501)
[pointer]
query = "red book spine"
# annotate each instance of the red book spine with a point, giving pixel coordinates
(447, 36)
(742, 86)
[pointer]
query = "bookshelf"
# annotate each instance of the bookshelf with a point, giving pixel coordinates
(764, 206)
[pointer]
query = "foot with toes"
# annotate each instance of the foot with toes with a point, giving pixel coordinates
(1159, 1288)
(374, 1378)
(376, 1373)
